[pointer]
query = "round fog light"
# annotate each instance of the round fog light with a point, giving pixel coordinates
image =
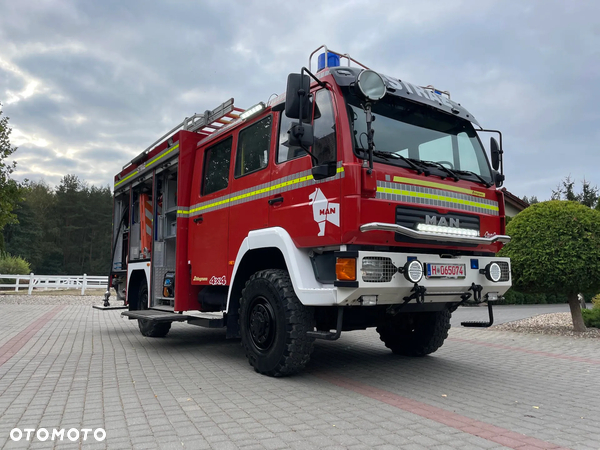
(413, 271)
(493, 272)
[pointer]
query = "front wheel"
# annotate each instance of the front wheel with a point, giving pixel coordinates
(415, 334)
(273, 324)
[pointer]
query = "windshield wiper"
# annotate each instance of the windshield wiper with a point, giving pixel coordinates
(414, 164)
(450, 172)
(479, 177)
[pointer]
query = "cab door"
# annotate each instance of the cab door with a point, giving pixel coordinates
(249, 205)
(307, 209)
(209, 214)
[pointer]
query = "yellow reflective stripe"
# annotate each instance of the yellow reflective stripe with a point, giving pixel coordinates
(445, 187)
(148, 164)
(253, 193)
(156, 158)
(436, 197)
(132, 174)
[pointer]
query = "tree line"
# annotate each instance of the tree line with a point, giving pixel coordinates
(62, 230)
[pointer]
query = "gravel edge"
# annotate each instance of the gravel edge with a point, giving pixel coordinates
(557, 324)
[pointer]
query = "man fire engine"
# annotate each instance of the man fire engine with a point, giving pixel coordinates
(355, 200)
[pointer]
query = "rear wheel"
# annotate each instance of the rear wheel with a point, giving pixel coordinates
(150, 328)
(273, 324)
(415, 334)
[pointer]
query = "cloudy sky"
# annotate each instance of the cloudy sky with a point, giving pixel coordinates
(89, 84)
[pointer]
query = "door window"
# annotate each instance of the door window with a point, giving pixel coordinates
(324, 128)
(253, 147)
(216, 167)
(286, 152)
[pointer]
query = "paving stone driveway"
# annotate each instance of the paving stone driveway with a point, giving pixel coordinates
(76, 367)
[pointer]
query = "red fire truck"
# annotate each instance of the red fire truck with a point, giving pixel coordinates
(353, 200)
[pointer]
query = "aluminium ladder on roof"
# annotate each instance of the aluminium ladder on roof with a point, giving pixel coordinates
(207, 122)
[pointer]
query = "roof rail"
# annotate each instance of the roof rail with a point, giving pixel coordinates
(207, 122)
(341, 55)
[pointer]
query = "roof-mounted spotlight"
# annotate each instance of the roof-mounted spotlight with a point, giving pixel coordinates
(371, 85)
(252, 111)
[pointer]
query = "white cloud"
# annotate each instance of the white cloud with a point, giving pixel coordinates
(94, 83)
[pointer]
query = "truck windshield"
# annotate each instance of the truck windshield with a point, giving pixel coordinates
(419, 133)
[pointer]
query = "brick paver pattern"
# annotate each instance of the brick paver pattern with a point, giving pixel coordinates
(76, 367)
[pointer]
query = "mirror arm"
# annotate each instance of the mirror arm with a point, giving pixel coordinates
(311, 154)
(370, 133)
(308, 72)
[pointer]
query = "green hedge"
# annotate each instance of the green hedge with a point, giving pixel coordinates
(513, 297)
(13, 265)
(591, 317)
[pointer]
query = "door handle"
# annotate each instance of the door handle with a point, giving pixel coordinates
(272, 201)
(198, 219)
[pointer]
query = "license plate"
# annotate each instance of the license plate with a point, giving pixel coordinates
(445, 271)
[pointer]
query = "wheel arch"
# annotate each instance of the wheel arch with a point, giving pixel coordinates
(136, 278)
(278, 245)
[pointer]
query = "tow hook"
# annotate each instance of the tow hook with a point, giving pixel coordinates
(418, 293)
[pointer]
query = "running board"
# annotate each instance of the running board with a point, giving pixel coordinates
(207, 320)
(155, 316)
(487, 324)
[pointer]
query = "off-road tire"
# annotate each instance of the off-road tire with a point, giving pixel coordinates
(273, 324)
(415, 334)
(150, 328)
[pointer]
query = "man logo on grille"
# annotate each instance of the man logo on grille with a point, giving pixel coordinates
(324, 210)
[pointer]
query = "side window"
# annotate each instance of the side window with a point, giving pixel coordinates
(324, 128)
(286, 152)
(253, 147)
(216, 167)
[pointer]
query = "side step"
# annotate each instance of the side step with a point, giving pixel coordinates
(156, 316)
(208, 320)
(487, 324)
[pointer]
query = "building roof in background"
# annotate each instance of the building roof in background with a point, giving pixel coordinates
(514, 200)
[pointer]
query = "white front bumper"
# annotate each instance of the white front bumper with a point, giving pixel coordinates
(444, 289)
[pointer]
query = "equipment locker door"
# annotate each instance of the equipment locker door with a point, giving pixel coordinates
(209, 215)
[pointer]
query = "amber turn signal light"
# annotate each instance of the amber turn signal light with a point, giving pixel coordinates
(345, 269)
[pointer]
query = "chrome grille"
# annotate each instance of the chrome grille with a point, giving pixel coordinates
(378, 269)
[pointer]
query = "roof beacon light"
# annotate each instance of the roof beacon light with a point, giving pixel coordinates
(252, 111)
(371, 85)
(333, 60)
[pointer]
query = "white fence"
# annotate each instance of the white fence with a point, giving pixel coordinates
(32, 281)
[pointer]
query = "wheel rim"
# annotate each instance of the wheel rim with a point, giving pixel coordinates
(261, 324)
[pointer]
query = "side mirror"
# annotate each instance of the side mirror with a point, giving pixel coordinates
(326, 170)
(296, 96)
(496, 153)
(301, 135)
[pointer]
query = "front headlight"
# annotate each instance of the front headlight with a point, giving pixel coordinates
(376, 269)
